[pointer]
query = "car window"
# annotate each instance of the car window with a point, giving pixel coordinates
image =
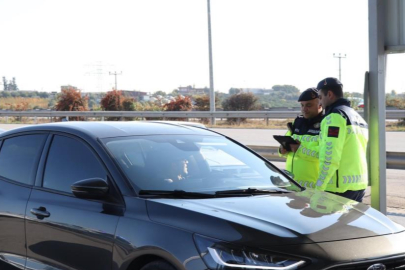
(19, 157)
(192, 163)
(69, 161)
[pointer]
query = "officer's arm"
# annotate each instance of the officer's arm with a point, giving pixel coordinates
(333, 134)
(309, 148)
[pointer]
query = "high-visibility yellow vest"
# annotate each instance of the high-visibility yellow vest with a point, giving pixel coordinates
(342, 149)
(304, 164)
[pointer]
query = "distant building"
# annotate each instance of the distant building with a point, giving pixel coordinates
(138, 95)
(53, 95)
(191, 90)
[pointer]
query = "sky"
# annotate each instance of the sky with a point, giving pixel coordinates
(163, 44)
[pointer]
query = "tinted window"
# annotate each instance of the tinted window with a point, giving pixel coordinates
(192, 163)
(19, 156)
(69, 161)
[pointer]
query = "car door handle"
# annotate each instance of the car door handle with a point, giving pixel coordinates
(40, 212)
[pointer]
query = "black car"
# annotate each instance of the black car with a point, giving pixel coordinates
(159, 196)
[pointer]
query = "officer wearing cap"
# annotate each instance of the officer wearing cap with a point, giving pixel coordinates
(342, 145)
(302, 160)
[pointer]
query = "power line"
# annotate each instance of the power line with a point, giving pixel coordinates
(99, 70)
(340, 57)
(115, 74)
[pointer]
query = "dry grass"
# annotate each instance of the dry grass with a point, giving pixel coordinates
(25, 120)
(282, 124)
(11, 103)
(395, 126)
(253, 123)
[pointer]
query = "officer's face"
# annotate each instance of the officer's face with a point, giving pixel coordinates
(311, 108)
(325, 98)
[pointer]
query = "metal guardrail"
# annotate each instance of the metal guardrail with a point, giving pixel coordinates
(395, 160)
(390, 114)
(156, 114)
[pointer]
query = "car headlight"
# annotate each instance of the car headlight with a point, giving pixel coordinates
(218, 254)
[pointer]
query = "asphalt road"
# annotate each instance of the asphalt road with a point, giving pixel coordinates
(395, 141)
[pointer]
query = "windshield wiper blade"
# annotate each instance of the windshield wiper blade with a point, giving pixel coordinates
(251, 191)
(175, 194)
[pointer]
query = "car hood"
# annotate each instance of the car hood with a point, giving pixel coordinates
(280, 219)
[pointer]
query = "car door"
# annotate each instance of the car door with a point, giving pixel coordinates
(19, 156)
(63, 231)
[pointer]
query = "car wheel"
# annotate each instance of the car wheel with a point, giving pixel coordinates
(158, 265)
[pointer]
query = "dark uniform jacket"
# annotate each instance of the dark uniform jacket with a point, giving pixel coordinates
(304, 164)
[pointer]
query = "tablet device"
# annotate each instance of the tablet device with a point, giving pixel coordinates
(285, 141)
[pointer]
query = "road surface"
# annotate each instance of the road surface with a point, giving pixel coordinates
(395, 141)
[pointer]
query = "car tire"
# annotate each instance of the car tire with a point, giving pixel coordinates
(158, 265)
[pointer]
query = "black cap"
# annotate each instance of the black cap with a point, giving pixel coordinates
(329, 82)
(309, 94)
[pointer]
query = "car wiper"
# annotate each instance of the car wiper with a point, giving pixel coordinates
(175, 194)
(251, 191)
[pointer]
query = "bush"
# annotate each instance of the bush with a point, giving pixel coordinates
(179, 104)
(128, 104)
(71, 99)
(149, 106)
(115, 101)
(112, 101)
(202, 103)
(396, 102)
(240, 102)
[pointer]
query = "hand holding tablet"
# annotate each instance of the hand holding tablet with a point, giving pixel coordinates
(285, 141)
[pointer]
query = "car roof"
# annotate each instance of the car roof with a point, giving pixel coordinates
(106, 129)
(183, 123)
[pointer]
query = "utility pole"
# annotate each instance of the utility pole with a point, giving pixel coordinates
(212, 93)
(98, 69)
(340, 57)
(115, 74)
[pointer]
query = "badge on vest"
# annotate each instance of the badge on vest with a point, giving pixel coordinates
(333, 132)
(317, 125)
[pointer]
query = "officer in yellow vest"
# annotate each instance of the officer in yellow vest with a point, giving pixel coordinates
(342, 144)
(302, 160)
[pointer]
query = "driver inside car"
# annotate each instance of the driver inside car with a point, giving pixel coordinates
(178, 170)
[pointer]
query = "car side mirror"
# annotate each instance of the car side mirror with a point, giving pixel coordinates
(92, 188)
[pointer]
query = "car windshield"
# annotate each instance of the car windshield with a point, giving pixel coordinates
(193, 163)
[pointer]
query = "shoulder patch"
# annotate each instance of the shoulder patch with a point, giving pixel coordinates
(333, 132)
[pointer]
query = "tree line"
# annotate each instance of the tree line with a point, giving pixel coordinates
(72, 99)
